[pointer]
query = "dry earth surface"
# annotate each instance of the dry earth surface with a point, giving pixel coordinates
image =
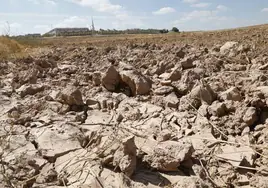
(180, 110)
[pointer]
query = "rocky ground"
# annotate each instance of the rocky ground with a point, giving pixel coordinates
(136, 115)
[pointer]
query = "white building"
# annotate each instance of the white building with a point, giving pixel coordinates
(68, 32)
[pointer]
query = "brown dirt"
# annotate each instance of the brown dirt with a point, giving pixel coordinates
(175, 110)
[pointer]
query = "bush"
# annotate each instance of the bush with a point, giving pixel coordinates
(164, 31)
(175, 29)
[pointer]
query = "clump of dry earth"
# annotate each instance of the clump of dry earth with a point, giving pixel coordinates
(135, 115)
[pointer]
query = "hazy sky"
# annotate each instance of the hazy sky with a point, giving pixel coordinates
(32, 16)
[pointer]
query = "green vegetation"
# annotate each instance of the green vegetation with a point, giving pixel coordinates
(131, 31)
(175, 29)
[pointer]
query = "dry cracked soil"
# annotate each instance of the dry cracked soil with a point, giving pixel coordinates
(185, 111)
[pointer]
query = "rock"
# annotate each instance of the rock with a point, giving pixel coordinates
(47, 174)
(53, 143)
(264, 67)
(245, 131)
(187, 103)
(190, 182)
(111, 79)
(125, 156)
(163, 90)
(71, 162)
(96, 78)
(204, 93)
(243, 48)
(180, 53)
(231, 94)
(259, 181)
(71, 96)
(263, 89)
(139, 84)
(174, 75)
(217, 109)
(237, 156)
(187, 63)
(167, 156)
(30, 76)
(172, 100)
(187, 82)
(243, 180)
(203, 110)
(164, 135)
(166, 82)
(227, 47)
(164, 76)
(17, 145)
(68, 69)
(250, 116)
(97, 117)
(30, 89)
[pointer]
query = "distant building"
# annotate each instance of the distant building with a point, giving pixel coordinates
(33, 35)
(68, 32)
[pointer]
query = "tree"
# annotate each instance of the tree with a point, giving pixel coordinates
(163, 31)
(6, 30)
(175, 29)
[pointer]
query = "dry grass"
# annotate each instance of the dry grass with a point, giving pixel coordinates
(9, 48)
(15, 47)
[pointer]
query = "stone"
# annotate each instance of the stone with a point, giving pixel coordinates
(250, 116)
(164, 135)
(187, 81)
(167, 156)
(71, 162)
(139, 84)
(189, 182)
(96, 78)
(91, 102)
(217, 109)
(15, 147)
(163, 90)
(30, 76)
(264, 67)
(180, 53)
(97, 117)
(175, 74)
(125, 156)
(203, 110)
(245, 131)
(165, 82)
(237, 155)
(187, 63)
(263, 90)
(227, 47)
(30, 89)
(71, 96)
(47, 174)
(172, 100)
(54, 143)
(231, 94)
(187, 103)
(68, 69)
(204, 93)
(111, 79)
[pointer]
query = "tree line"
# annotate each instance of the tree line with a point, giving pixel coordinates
(135, 31)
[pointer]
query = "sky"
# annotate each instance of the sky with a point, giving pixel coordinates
(39, 16)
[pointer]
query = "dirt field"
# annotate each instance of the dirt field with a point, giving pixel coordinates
(175, 110)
